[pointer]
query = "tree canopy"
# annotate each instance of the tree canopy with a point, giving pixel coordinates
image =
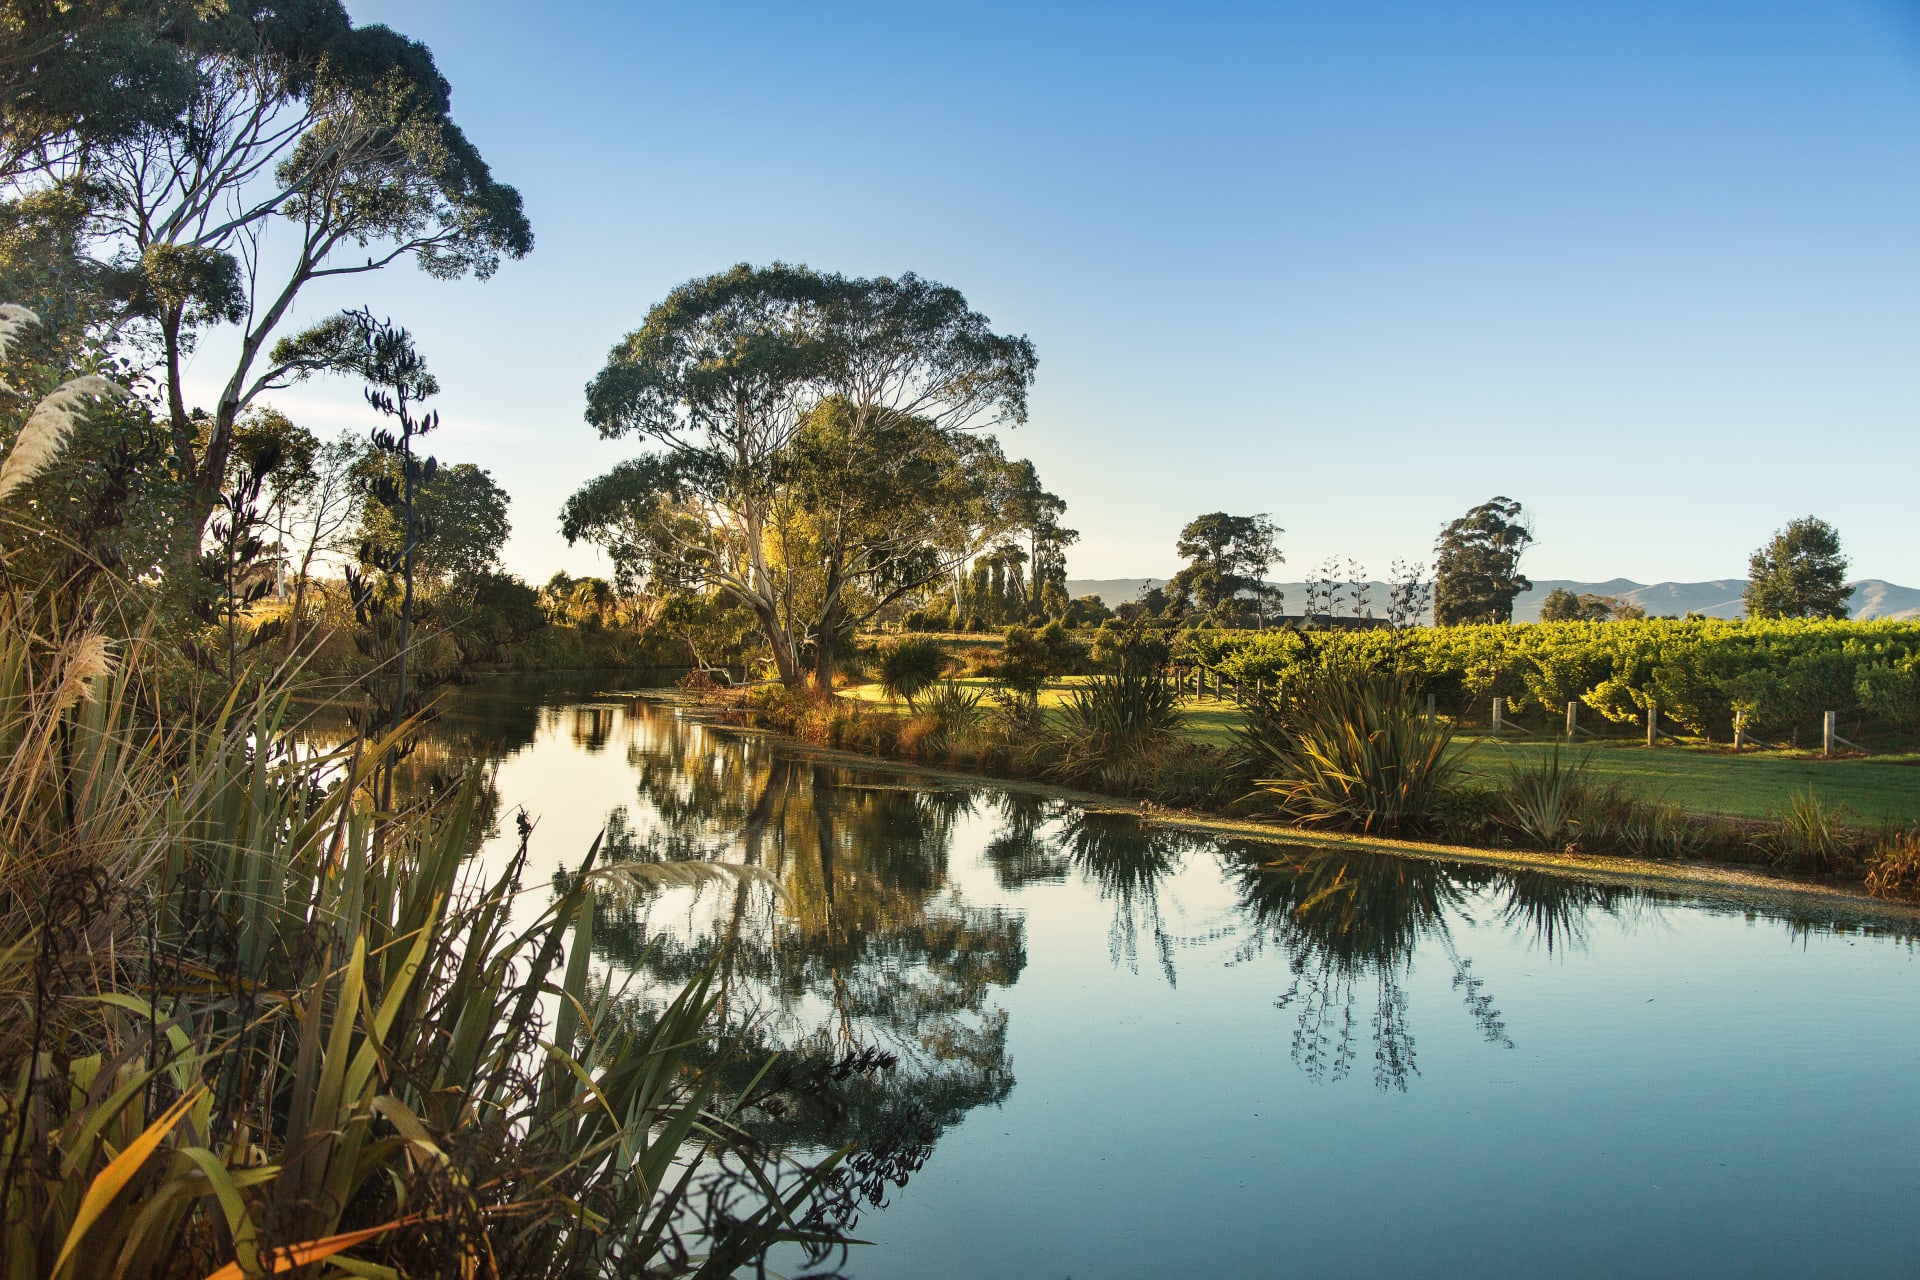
(232, 119)
(812, 448)
(1477, 564)
(1227, 560)
(1801, 573)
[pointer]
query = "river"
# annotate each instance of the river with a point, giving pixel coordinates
(1124, 1051)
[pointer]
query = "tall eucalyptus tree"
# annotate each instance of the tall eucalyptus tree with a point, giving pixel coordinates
(284, 115)
(813, 446)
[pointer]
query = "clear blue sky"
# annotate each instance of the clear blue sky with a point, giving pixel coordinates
(1651, 268)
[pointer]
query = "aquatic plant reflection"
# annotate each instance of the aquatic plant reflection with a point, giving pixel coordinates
(1349, 922)
(1126, 861)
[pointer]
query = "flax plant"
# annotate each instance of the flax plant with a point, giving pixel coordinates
(251, 1023)
(1350, 749)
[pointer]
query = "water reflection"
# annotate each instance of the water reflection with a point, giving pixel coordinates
(864, 947)
(898, 913)
(867, 944)
(1349, 924)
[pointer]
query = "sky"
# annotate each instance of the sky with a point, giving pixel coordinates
(1652, 269)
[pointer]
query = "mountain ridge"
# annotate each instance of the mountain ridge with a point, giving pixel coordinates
(1872, 598)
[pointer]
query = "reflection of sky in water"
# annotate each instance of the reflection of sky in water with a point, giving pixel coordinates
(1666, 1089)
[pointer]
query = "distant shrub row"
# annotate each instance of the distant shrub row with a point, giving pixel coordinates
(1783, 675)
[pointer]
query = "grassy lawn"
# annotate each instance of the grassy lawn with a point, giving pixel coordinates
(1716, 782)
(1752, 785)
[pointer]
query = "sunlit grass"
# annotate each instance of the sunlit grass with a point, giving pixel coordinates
(1880, 789)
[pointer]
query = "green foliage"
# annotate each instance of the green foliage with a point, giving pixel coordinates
(1546, 801)
(188, 132)
(1227, 558)
(1812, 836)
(1801, 573)
(1350, 749)
(809, 455)
(1027, 659)
(909, 665)
(252, 1013)
(1477, 564)
(957, 709)
(1118, 647)
(460, 508)
(1110, 731)
(1782, 674)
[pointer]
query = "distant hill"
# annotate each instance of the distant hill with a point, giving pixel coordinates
(1872, 598)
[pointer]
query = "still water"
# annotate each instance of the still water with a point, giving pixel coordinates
(1131, 1052)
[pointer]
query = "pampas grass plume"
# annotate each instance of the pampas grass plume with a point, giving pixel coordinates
(13, 318)
(87, 661)
(46, 430)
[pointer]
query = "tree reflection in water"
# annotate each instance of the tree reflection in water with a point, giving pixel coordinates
(863, 954)
(1347, 922)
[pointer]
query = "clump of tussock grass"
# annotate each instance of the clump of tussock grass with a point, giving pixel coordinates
(1811, 835)
(1893, 868)
(1111, 731)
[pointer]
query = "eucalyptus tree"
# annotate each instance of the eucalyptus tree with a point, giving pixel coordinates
(286, 116)
(79, 74)
(812, 454)
(1037, 512)
(1476, 568)
(899, 350)
(1227, 558)
(714, 381)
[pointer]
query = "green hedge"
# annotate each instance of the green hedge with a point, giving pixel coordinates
(1784, 675)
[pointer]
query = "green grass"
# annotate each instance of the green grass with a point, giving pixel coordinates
(1883, 789)
(1748, 786)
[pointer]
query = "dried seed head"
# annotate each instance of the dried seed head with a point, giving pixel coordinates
(86, 661)
(13, 318)
(47, 428)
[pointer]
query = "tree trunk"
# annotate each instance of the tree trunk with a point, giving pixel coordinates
(823, 645)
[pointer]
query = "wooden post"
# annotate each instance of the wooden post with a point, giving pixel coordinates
(1429, 708)
(1739, 730)
(1573, 719)
(1829, 730)
(1653, 724)
(1499, 715)
(1236, 690)
(1258, 681)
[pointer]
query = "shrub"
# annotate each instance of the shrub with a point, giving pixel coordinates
(1469, 814)
(956, 712)
(1109, 729)
(1893, 869)
(1811, 836)
(1117, 646)
(909, 665)
(1659, 831)
(1027, 659)
(1188, 775)
(1351, 750)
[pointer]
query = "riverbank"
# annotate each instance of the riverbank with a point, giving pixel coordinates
(1731, 883)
